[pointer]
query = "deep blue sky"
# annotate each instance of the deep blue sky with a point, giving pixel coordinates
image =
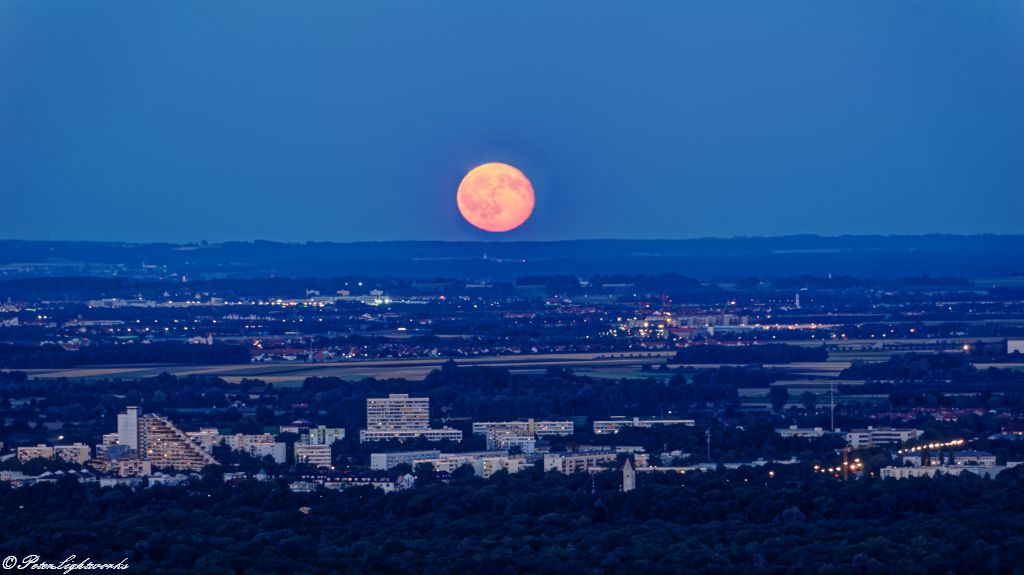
(323, 120)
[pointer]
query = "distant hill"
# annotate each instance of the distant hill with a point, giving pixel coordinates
(706, 259)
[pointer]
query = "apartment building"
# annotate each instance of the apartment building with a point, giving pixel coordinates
(613, 425)
(573, 462)
(537, 428)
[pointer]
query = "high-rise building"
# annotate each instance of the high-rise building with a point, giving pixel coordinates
(397, 411)
(128, 427)
(401, 417)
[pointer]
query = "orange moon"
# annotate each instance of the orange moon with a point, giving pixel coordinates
(495, 197)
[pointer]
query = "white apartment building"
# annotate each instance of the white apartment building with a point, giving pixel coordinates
(989, 471)
(487, 466)
(484, 463)
(242, 441)
(74, 453)
(445, 433)
(278, 451)
(400, 417)
(873, 437)
(258, 445)
(40, 451)
(128, 427)
(397, 411)
(609, 426)
(538, 428)
(806, 432)
(503, 439)
(206, 438)
(385, 461)
(318, 455)
(972, 457)
(573, 462)
(321, 435)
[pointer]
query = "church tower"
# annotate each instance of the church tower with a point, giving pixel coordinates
(628, 476)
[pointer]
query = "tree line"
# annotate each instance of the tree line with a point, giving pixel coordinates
(740, 521)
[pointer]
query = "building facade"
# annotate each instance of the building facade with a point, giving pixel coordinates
(318, 455)
(503, 439)
(574, 462)
(400, 417)
(874, 437)
(385, 461)
(163, 444)
(397, 411)
(134, 468)
(989, 471)
(321, 435)
(443, 434)
(484, 464)
(74, 453)
(538, 428)
(805, 432)
(610, 426)
(128, 427)
(40, 451)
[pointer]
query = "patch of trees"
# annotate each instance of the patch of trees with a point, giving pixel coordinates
(750, 354)
(54, 356)
(937, 367)
(739, 521)
(489, 394)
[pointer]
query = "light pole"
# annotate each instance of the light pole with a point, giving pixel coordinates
(707, 436)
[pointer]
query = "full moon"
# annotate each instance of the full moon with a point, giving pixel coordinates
(495, 197)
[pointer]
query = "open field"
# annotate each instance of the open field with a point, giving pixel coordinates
(596, 365)
(382, 369)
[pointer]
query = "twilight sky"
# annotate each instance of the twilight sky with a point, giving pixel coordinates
(146, 120)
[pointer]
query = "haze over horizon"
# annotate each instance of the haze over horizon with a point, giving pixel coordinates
(149, 121)
(506, 238)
